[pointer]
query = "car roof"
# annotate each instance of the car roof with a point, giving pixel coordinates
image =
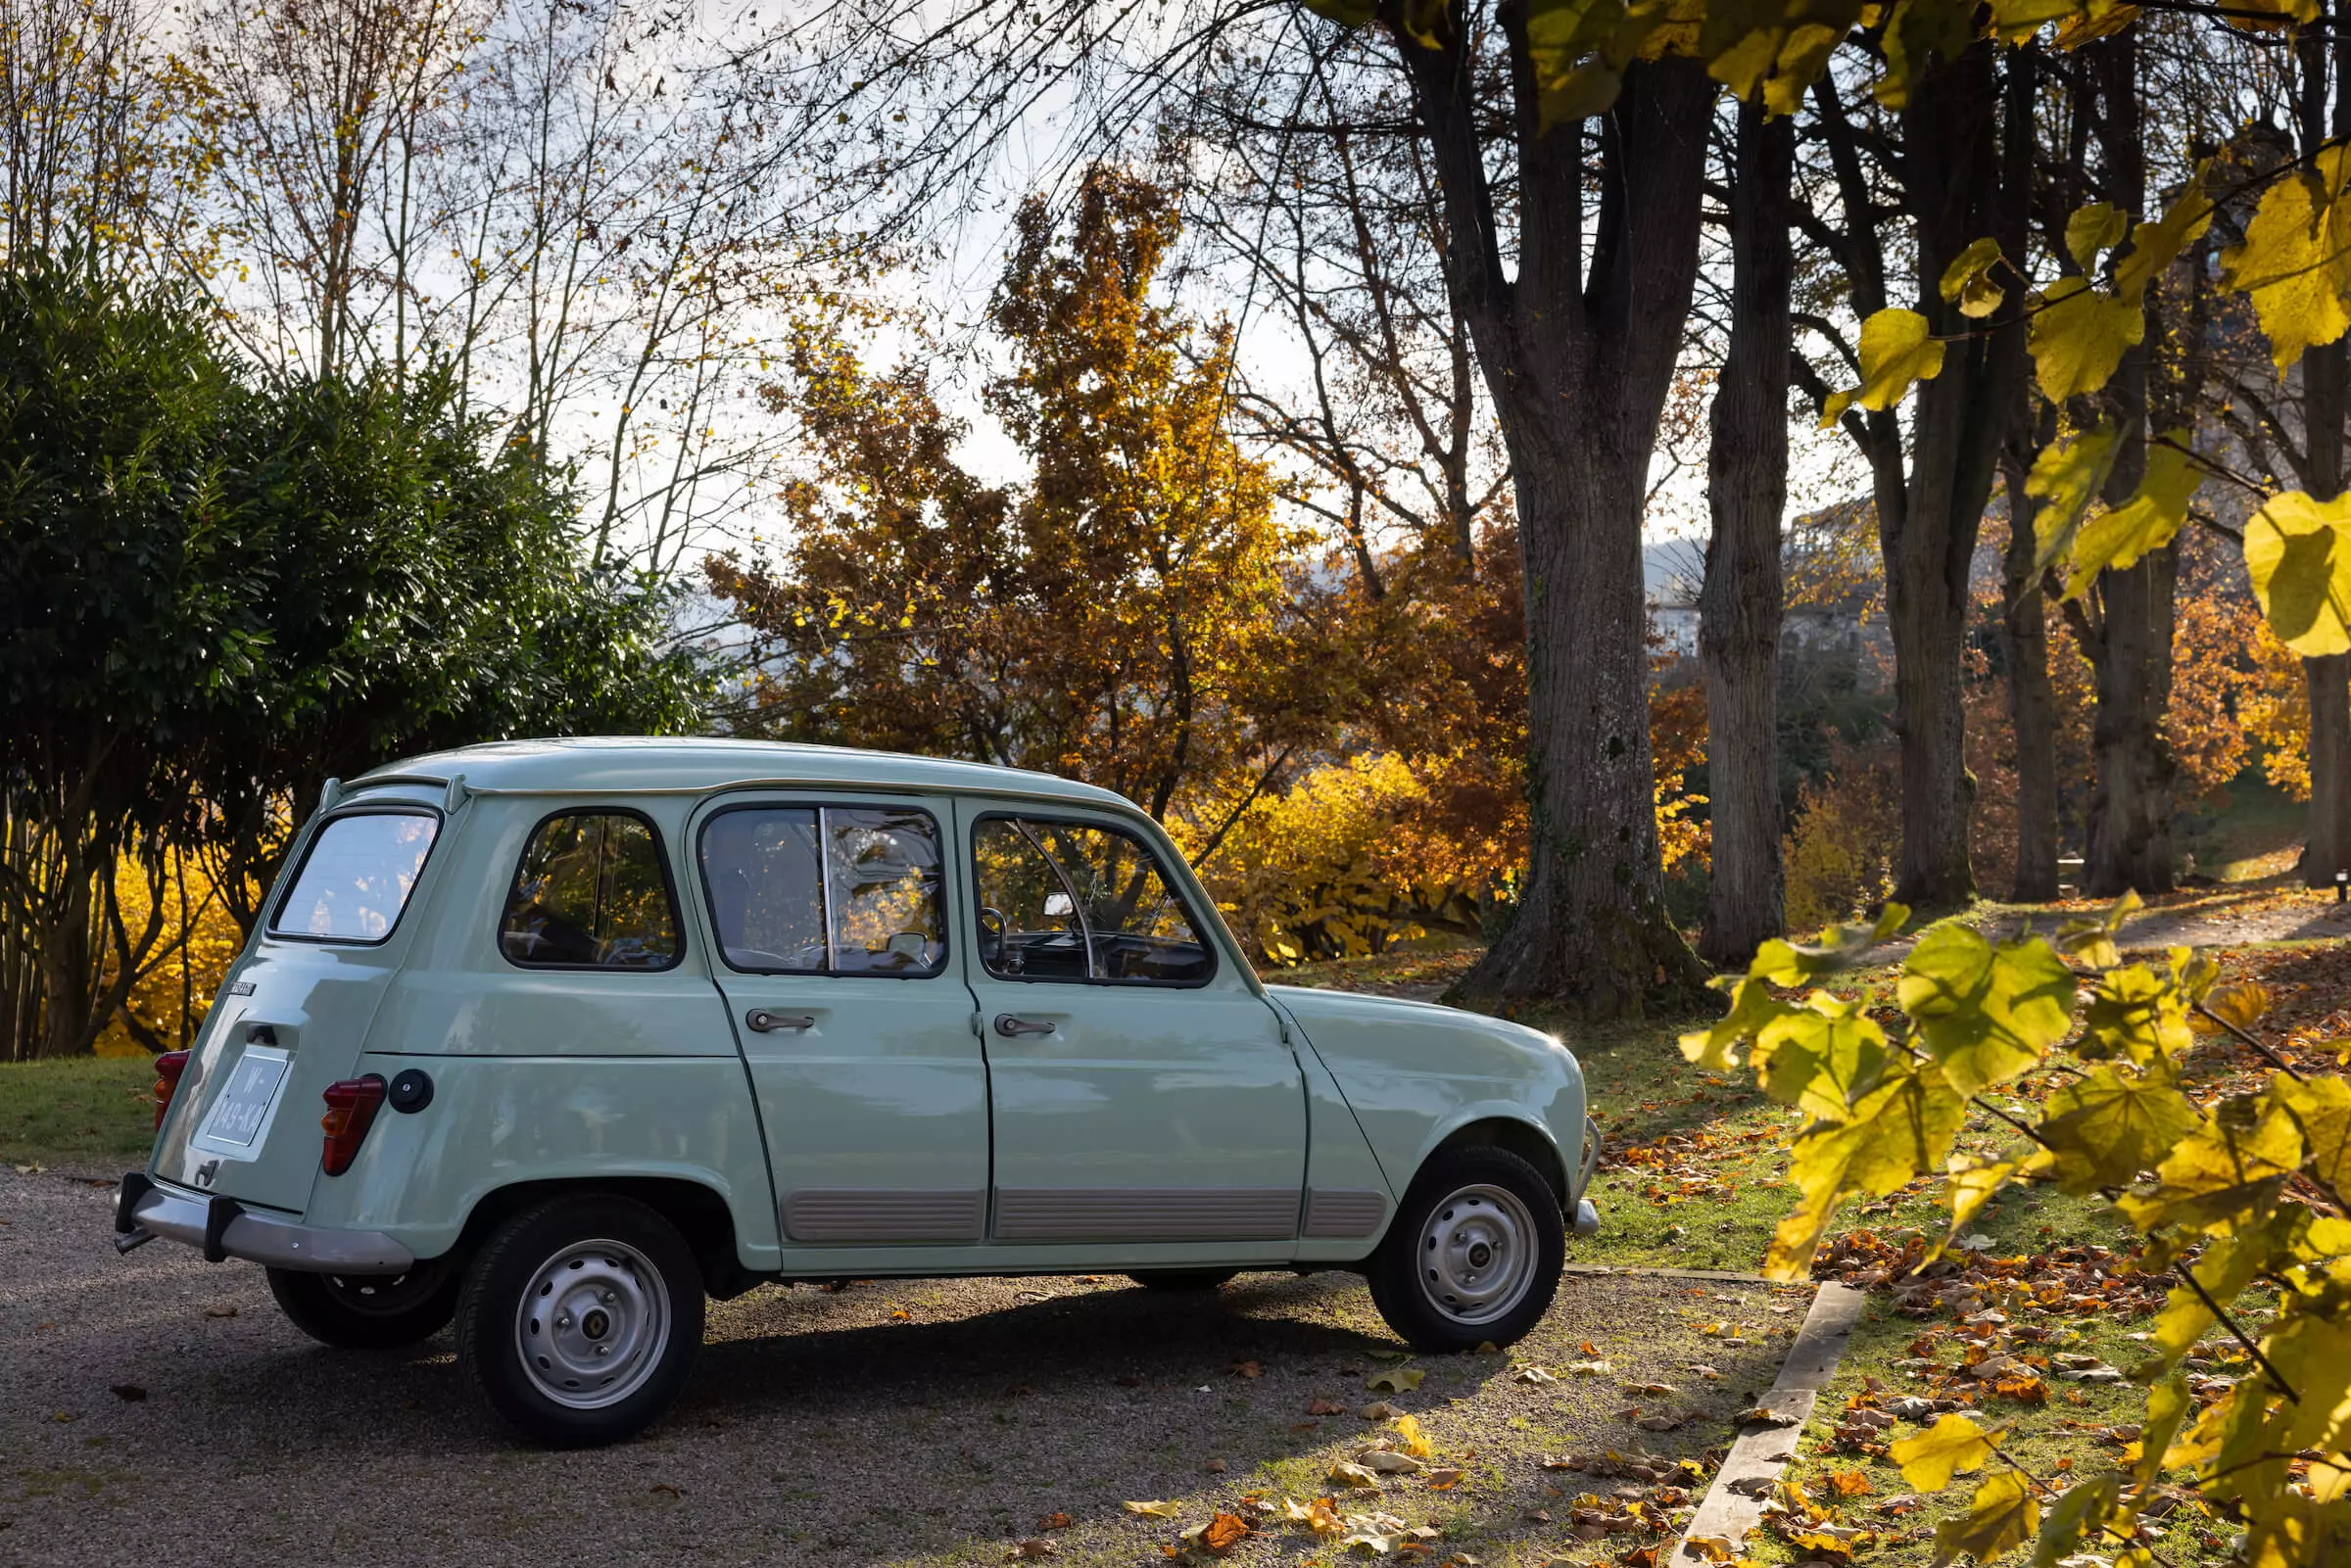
(693, 765)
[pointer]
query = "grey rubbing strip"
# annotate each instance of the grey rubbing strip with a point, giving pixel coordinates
(1344, 1212)
(1146, 1214)
(837, 1214)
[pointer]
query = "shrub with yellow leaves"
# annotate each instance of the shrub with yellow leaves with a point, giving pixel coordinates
(2246, 1187)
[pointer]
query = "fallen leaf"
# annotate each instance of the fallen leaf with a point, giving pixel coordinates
(1396, 1380)
(1658, 1423)
(666, 1489)
(1247, 1370)
(1303, 1426)
(1325, 1407)
(1387, 1462)
(1487, 1348)
(1321, 1516)
(1444, 1480)
(1415, 1444)
(1055, 1521)
(219, 1311)
(1711, 1548)
(1762, 1415)
(1536, 1374)
(127, 1391)
(1706, 1371)
(1379, 1410)
(1219, 1534)
(1035, 1547)
(1154, 1509)
(1665, 1389)
(1214, 1467)
(1353, 1475)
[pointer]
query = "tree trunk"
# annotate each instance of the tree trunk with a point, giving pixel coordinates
(1738, 606)
(1577, 349)
(2031, 700)
(2129, 846)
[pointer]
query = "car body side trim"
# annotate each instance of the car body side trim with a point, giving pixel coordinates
(841, 1214)
(1345, 1212)
(1146, 1214)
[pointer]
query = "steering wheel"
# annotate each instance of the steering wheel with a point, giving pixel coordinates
(991, 936)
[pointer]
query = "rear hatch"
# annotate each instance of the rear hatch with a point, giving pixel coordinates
(293, 1015)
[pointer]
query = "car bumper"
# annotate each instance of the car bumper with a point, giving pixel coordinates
(222, 1228)
(1587, 1216)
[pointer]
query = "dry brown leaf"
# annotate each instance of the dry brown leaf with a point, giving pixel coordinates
(1055, 1521)
(1247, 1370)
(1034, 1547)
(1323, 1406)
(1353, 1475)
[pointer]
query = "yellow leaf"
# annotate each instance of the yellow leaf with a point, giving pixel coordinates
(2239, 1002)
(1154, 1509)
(2296, 263)
(2001, 1515)
(1415, 1444)
(2298, 555)
(2018, 19)
(1820, 1055)
(2106, 1128)
(1396, 1380)
(1985, 1013)
(1968, 283)
(2320, 1108)
(2147, 521)
(1896, 351)
(2156, 245)
(1952, 1445)
(2221, 1174)
(1901, 1128)
(2099, 227)
(1970, 1187)
(2067, 476)
(1353, 1475)
(2079, 335)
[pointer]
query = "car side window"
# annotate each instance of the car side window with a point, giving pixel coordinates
(591, 892)
(1079, 901)
(826, 890)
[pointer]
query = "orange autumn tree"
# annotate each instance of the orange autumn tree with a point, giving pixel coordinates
(1120, 615)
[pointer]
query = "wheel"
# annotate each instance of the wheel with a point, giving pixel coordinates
(1474, 1254)
(579, 1320)
(369, 1311)
(1194, 1279)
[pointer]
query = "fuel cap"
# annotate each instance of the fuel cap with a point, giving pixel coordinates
(412, 1090)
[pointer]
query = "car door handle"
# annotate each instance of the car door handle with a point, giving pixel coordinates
(1012, 1029)
(766, 1023)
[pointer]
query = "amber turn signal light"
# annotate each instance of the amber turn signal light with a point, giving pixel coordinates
(168, 1068)
(351, 1106)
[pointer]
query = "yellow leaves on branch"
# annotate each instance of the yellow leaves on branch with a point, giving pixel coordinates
(2296, 263)
(2298, 553)
(1897, 349)
(1953, 1445)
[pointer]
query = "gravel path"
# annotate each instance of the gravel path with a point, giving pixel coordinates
(154, 1406)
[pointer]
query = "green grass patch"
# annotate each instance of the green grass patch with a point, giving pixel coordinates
(80, 1110)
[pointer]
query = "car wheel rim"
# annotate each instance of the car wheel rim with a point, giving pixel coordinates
(1477, 1254)
(593, 1324)
(388, 1294)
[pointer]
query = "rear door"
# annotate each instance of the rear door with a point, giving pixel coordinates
(1142, 1091)
(830, 915)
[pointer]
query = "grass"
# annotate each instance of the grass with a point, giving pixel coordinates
(79, 1111)
(2256, 832)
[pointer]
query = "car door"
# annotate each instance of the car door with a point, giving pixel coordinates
(829, 911)
(1142, 1091)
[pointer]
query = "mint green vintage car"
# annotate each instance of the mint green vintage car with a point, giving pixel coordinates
(559, 1038)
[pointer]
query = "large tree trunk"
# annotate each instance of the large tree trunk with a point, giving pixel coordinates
(1738, 606)
(1577, 349)
(2031, 700)
(2130, 845)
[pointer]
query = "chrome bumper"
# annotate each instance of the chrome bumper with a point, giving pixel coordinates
(1587, 1217)
(223, 1228)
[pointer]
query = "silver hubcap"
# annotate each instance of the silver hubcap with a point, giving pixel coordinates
(1477, 1254)
(592, 1325)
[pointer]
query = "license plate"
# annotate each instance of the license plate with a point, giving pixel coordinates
(244, 1102)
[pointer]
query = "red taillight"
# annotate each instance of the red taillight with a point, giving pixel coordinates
(349, 1113)
(168, 1068)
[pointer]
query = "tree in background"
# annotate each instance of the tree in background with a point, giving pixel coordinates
(1120, 616)
(222, 587)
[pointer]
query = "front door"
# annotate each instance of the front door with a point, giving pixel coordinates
(829, 914)
(1142, 1091)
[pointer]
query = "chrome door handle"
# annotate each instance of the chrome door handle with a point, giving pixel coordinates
(766, 1023)
(1012, 1029)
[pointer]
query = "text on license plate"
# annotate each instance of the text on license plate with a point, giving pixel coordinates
(237, 1114)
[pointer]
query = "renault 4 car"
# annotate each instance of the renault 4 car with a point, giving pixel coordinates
(558, 1040)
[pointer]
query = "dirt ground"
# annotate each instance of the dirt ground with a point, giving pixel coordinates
(157, 1406)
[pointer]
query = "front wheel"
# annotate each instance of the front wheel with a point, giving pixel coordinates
(580, 1318)
(1474, 1254)
(369, 1311)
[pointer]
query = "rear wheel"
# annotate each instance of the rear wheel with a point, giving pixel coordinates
(369, 1311)
(1474, 1254)
(580, 1318)
(1191, 1279)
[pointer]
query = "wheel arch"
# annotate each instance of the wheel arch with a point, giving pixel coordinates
(698, 1212)
(1523, 1138)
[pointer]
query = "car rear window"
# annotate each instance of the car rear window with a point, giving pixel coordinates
(357, 877)
(826, 890)
(591, 892)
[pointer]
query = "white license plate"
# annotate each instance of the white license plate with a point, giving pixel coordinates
(244, 1103)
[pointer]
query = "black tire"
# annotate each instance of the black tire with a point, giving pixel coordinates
(631, 1289)
(371, 1311)
(1492, 1198)
(1185, 1279)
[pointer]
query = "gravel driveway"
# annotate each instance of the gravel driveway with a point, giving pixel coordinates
(156, 1408)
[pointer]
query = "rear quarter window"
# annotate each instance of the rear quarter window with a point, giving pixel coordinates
(357, 875)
